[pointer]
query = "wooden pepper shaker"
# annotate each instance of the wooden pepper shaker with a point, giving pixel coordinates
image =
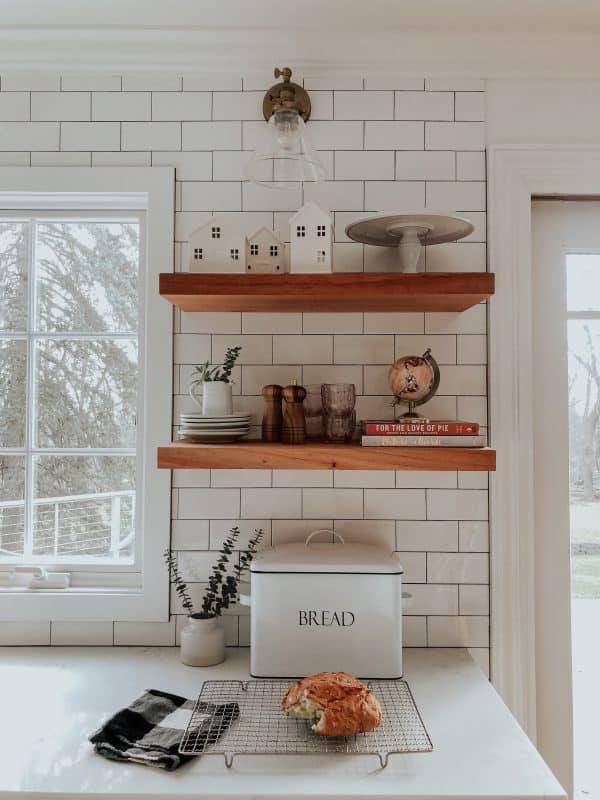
(272, 421)
(294, 423)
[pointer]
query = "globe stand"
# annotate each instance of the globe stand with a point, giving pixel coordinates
(414, 380)
(411, 413)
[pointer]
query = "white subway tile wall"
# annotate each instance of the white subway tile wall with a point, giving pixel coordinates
(387, 142)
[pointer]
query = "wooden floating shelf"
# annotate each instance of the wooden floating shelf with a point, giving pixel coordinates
(322, 455)
(348, 291)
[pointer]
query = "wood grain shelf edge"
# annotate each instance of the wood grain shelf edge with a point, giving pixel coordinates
(322, 455)
(374, 291)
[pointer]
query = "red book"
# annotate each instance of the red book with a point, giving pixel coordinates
(419, 427)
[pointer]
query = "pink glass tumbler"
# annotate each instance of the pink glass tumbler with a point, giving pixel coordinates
(313, 411)
(339, 415)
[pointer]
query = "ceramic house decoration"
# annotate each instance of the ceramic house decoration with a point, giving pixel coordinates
(217, 246)
(265, 252)
(310, 240)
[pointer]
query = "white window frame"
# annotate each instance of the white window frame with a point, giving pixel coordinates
(71, 564)
(517, 174)
(115, 594)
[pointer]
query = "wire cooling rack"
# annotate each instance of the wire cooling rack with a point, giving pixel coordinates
(262, 728)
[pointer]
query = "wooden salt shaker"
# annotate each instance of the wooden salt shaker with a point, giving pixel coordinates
(272, 421)
(294, 423)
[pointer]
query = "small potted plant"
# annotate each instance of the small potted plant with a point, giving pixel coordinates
(216, 384)
(203, 637)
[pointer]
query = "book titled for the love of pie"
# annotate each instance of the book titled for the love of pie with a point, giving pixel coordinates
(418, 427)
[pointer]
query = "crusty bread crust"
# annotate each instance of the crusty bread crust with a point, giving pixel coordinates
(342, 705)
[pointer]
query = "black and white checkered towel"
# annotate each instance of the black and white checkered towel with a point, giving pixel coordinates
(150, 729)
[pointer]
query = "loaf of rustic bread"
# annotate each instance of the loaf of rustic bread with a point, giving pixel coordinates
(339, 704)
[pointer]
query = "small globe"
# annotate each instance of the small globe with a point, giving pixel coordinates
(414, 379)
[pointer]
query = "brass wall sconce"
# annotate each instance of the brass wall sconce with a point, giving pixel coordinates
(284, 152)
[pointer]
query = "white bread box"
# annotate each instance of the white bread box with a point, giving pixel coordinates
(326, 606)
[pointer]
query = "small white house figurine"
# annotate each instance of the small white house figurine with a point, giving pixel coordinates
(217, 246)
(265, 252)
(310, 240)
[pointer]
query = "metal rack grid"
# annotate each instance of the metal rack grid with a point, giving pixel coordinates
(262, 728)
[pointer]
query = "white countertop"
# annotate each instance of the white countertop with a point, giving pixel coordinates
(53, 698)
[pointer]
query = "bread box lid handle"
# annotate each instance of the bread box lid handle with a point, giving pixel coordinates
(302, 558)
(312, 535)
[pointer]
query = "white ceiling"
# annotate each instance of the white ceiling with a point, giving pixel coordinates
(413, 37)
(535, 16)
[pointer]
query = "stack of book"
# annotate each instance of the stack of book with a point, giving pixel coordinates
(419, 432)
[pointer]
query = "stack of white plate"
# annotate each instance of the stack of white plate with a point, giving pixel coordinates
(217, 430)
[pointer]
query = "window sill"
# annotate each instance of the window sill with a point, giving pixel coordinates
(84, 579)
(84, 603)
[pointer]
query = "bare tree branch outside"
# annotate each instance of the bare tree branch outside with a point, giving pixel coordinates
(583, 328)
(69, 287)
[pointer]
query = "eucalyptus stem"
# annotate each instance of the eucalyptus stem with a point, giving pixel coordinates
(204, 373)
(178, 582)
(223, 588)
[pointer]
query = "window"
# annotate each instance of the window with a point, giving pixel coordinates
(300, 231)
(78, 494)
(321, 230)
(273, 250)
(321, 254)
(234, 254)
(198, 253)
(253, 249)
(216, 232)
(68, 349)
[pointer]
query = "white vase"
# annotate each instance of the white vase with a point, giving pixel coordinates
(202, 642)
(217, 400)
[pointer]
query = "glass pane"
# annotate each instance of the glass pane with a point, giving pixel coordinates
(583, 282)
(86, 393)
(12, 507)
(84, 507)
(14, 246)
(13, 372)
(584, 448)
(87, 276)
(584, 485)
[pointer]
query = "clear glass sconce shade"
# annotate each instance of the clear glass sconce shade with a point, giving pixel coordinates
(284, 153)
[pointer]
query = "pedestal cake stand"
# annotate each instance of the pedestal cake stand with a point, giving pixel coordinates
(409, 232)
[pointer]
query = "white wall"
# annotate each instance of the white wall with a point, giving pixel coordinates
(387, 143)
(534, 111)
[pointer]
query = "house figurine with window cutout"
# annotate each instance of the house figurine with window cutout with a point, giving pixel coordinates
(217, 246)
(265, 253)
(310, 240)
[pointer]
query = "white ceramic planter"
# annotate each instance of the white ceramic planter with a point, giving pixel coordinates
(202, 642)
(217, 400)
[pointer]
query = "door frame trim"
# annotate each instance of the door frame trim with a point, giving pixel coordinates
(516, 174)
